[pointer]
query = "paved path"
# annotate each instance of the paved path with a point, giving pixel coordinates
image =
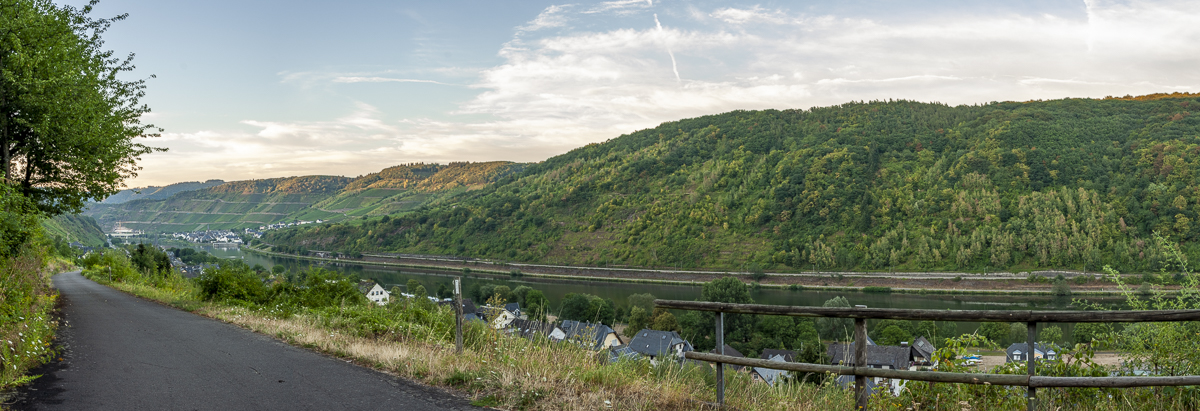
(125, 353)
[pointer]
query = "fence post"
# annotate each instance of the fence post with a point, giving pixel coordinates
(861, 394)
(1031, 340)
(458, 314)
(720, 337)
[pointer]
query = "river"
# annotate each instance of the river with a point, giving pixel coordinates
(557, 289)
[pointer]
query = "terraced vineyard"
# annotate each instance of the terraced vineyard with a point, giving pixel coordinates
(252, 203)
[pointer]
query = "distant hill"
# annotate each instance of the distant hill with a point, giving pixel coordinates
(897, 185)
(158, 193)
(251, 203)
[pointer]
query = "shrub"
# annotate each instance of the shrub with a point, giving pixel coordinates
(1082, 279)
(1060, 288)
(232, 281)
(876, 289)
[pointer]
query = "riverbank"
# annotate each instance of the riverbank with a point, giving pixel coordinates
(1081, 283)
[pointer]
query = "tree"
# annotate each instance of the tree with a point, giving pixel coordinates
(1085, 333)
(700, 327)
(836, 329)
(893, 335)
(639, 319)
(520, 293)
(536, 304)
(996, 332)
(412, 285)
(645, 301)
(665, 321)
(1052, 334)
(68, 124)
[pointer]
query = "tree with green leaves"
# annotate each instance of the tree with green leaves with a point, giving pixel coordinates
(536, 305)
(68, 122)
(836, 329)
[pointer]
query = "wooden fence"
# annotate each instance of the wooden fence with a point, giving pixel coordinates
(860, 371)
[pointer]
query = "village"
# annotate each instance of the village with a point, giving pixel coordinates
(658, 345)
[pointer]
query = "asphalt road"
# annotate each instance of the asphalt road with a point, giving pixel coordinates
(125, 353)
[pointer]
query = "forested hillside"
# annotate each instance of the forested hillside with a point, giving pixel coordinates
(251, 203)
(1075, 183)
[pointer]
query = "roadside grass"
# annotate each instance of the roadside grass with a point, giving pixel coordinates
(415, 340)
(27, 324)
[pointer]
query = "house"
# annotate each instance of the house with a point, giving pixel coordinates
(622, 352)
(468, 305)
(878, 356)
(593, 336)
(1019, 352)
(514, 308)
(922, 351)
(531, 328)
(656, 344)
(788, 355)
(730, 351)
(499, 317)
(373, 291)
(769, 375)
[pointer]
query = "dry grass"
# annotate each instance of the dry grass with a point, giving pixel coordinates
(521, 374)
(499, 370)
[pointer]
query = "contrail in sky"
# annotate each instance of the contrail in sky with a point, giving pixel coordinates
(674, 66)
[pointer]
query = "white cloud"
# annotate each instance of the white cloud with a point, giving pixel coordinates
(560, 89)
(376, 79)
(549, 18)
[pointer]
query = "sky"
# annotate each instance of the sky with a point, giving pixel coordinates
(262, 89)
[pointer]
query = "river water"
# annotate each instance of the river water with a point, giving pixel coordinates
(556, 289)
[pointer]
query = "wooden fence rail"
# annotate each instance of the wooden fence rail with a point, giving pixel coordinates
(861, 313)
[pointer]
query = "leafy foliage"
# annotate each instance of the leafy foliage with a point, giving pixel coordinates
(68, 122)
(899, 185)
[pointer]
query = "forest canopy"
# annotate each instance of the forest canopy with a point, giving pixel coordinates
(884, 185)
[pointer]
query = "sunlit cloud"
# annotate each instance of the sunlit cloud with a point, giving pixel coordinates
(649, 63)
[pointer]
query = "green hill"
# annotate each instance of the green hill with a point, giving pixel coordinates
(252, 203)
(74, 228)
(1075, 183)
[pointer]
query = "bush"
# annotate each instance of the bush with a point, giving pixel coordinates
(1060, 288)
(879, 290)
(1082, 279)
(232, 281)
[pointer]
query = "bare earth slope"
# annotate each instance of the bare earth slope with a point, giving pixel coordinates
(124, 353)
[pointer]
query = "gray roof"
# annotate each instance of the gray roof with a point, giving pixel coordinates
(582, 331)
(514, 308)
(1024, 348)
(468, 305)
(771, 375)
(531, 328)
(730, 351)
(922, 348)
(365, 285)
(654, 343)
(788, 355)
(622, 352)
(877, 355)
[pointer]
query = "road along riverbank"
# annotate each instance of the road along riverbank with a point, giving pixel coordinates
(998, 283)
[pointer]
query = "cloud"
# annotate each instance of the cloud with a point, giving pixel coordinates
(554, 90)
(550, 17)
(376, 79)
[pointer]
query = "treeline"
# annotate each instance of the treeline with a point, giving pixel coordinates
(1069, 184)
(287, 185)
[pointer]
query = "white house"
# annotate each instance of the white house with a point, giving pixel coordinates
(374, 292)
